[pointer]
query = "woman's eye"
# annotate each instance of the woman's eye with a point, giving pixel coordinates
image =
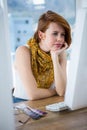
(55, 34)
(63, 35)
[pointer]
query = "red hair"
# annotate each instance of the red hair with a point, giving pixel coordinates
(49, 17)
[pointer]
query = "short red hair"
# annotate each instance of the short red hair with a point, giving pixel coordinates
(49, 17)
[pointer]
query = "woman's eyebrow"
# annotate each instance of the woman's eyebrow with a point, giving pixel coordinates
(59, 31)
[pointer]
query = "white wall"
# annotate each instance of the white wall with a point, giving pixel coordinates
(81, 4)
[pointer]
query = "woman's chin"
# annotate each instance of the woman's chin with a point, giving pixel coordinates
(58, 48)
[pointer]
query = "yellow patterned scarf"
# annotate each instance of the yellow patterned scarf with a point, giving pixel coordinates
(42, 66)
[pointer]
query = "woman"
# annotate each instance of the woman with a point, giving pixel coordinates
(41, 65)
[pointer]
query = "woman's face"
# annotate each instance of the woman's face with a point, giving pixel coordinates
(53, 38)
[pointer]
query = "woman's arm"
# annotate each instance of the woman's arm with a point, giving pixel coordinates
(59, 63)
(23, 67)
(60, 77)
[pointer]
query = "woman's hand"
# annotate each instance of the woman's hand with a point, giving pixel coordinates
(56, 52)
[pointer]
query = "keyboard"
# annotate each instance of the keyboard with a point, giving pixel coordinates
(60, 106)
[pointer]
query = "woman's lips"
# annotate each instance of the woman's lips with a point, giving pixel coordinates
(58, 45)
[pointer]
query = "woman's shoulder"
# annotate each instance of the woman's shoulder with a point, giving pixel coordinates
(21, 50)
(22, 54)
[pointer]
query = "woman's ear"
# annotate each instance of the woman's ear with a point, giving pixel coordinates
(41, 35)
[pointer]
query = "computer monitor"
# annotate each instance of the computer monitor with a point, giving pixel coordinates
(6, 111)
(76, 90)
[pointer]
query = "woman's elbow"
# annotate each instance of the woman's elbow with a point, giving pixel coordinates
(32, 97)
(60, 92)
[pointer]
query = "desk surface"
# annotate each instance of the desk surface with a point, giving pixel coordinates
(64, 120)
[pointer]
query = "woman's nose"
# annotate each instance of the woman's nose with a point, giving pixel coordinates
(59, 38)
